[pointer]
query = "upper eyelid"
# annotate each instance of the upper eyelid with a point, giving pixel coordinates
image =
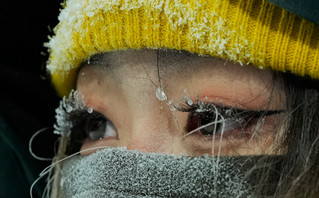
(105, 112)
(79, 115)
(100, 107)
(237, 111)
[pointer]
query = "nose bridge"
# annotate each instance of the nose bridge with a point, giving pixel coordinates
(150, 133)
(149, 129)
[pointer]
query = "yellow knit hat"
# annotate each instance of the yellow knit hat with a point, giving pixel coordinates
(243, 31)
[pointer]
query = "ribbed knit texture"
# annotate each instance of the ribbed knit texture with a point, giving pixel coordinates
(243, 31)
(122, 173)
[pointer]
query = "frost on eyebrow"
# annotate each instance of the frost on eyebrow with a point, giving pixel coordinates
(75, 101)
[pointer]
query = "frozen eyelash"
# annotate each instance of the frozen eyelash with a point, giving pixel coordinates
(228, 112)
(75, 101)
(201, 107)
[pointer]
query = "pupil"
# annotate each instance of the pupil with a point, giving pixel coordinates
(96, 124)
(206, 119)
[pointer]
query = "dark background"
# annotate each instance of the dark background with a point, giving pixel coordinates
(27, 98)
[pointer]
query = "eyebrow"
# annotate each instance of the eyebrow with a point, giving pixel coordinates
(97, 59)
(164, 55)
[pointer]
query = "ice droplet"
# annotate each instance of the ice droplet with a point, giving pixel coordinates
(90, 110)
(228, 112)
(190, 102)
(171, 105)
(160, 94)
(186, 98)
(68, 109)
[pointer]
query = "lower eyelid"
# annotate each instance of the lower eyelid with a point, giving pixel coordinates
(98, 144)
(230, 143)
(241, 133)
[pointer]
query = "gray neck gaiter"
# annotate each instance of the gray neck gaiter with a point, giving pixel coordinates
(117, 172)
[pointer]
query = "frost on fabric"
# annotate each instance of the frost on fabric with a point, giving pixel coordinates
(117, 172)
(75, 101)
(208, 30)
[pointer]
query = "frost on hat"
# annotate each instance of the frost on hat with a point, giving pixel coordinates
(243, 31)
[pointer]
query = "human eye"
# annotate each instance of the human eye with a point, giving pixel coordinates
(94, 125)
(81, 123)
(231, 125)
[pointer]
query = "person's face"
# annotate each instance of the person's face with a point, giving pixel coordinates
(242, 101)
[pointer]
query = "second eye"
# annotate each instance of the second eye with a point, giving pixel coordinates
(97, 127)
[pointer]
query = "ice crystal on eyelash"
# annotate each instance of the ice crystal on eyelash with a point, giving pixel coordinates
(171, 105)
(190, 102)
(75, 101)
(228, 112)
(90, 110)
(201, 107)
(187, 100)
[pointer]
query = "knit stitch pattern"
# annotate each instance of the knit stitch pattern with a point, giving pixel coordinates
(242, 31)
